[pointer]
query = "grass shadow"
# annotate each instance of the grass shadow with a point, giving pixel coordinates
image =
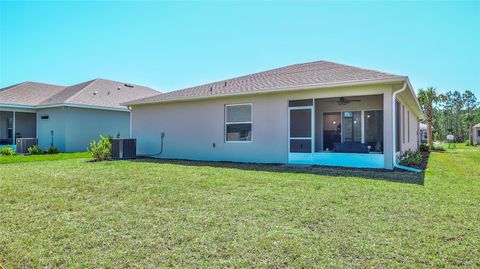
(398, 176)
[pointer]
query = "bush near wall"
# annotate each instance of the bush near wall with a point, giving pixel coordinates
(7, 151)
(101, 150)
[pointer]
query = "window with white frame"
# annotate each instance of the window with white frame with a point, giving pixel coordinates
(238, 123)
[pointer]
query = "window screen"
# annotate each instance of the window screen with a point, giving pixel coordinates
(374, 130)
(352, 126)
(304, 102)
(301, 123)
(238, 123)
(239, 113)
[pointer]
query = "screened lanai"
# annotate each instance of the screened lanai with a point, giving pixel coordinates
(331, 131)
(15, 124)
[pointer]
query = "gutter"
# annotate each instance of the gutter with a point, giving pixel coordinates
(394, 131)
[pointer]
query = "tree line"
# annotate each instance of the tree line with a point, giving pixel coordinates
(451, 113)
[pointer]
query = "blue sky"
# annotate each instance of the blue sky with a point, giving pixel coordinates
(172, 45)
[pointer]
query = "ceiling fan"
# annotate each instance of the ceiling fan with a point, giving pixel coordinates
(344, 101)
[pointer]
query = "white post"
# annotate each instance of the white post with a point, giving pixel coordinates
(312, 112)
(131, 127)
(14, 131)
(362, 125)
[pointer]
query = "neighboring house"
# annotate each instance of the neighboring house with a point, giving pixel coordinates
(423, 133)
(314, 113)
(67, 117)
(476, 134)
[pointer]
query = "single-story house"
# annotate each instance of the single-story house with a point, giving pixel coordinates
(68, 118)
(476, 134)
(313, 113)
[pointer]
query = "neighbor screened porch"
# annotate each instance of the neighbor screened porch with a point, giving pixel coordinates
(16, 124)
(343, 131)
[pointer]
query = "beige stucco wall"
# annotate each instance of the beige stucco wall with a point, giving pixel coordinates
(409, 127)
(193, 127)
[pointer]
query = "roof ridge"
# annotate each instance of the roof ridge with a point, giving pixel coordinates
(368, 69)
(13, 86)
(81, 90)
(123, 82)
(269, 72)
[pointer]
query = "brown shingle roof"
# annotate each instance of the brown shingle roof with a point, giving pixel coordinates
(97, 92)
(28, 93)
(313, 74)
(100, 92)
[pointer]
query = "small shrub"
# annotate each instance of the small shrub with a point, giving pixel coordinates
(101, 150)
(438, 147)
(35, 150)
(424, 147)
(411, 158)
(53, 150)
(7, 151)
(467, 143)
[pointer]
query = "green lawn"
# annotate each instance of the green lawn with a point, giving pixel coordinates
(73, 213)
(43, 157)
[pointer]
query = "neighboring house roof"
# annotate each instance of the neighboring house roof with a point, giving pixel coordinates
(423, 126)
(100, 92)
(297, 76)
(476, 125)
(93, 93)
(28, 93)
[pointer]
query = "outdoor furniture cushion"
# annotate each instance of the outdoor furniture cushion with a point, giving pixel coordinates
(351, 147)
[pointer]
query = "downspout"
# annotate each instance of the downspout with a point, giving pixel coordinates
(394, 121)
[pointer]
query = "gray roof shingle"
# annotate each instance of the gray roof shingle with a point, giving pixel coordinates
(28, 93)
(100, 92)
(97, 92)
(320, 73)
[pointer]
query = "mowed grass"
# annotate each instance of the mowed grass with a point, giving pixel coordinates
(123, 214)
(43, 157)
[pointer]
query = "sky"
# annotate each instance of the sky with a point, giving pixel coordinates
(173, 45)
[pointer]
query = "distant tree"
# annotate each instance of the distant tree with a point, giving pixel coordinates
(459, 116)
(470, 102)
(428, 98)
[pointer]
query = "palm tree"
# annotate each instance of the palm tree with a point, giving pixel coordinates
(427, 98)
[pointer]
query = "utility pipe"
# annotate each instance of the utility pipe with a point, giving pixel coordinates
(394, 132)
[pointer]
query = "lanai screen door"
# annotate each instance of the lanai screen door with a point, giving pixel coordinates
(301, 129)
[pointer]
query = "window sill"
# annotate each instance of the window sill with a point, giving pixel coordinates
(238, 142)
